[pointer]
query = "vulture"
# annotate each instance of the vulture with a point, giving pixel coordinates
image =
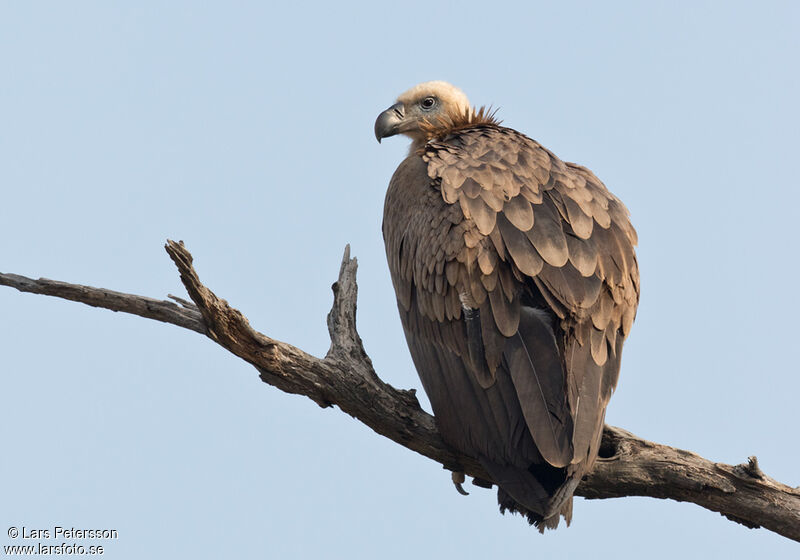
(517, 282)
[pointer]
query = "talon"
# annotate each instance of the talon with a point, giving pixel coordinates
(458, 480)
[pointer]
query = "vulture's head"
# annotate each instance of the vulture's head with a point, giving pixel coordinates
(421, 108)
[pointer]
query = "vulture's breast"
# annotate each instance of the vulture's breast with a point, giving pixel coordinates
(422, 232)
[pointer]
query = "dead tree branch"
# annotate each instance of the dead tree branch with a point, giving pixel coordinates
(628, 466)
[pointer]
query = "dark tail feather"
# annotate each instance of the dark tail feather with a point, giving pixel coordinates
(507, 503)
(541, 493)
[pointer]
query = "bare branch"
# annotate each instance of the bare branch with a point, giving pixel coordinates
(631, 466)
(628, 466)
(160, 310)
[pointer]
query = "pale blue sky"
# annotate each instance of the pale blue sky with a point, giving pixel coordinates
(245, 129)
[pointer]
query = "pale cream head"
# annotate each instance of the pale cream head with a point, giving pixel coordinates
(424, 102)
(452, 99)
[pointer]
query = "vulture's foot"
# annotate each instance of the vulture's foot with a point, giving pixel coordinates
(458, 480)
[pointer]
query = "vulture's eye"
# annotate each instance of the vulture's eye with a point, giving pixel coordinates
(428, 103)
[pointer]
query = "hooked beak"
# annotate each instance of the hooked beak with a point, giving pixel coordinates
(388, 123)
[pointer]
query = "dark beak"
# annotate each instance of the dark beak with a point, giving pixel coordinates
(388, 123)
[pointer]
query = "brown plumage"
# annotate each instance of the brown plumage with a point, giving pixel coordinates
(517, 282)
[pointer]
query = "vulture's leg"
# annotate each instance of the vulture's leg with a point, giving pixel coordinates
(472, 318)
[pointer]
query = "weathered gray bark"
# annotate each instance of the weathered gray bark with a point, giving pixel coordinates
(629, 466)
